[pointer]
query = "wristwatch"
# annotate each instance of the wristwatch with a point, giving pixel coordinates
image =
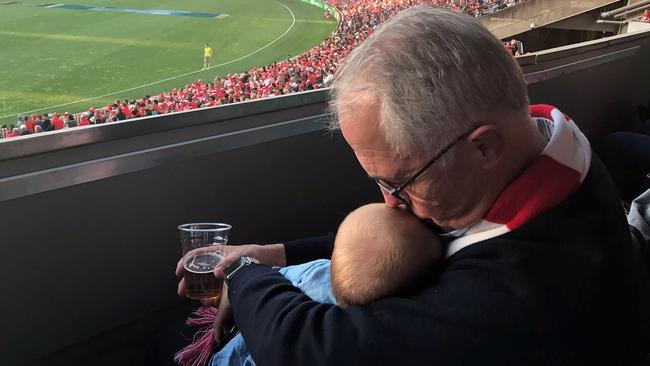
(237, 267)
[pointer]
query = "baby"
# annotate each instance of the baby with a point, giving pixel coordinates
(378, 252)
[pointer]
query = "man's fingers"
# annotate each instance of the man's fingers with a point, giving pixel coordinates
(218, 272)
(224, 335)
(221, 266)
(228, 259)
(181, 291)
(222, 329)
(223, 322)
(180, 270)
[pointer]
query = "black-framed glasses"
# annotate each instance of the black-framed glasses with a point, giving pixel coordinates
(396, 192)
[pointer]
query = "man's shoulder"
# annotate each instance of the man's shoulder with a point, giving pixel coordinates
(592, 215)
(585, 233)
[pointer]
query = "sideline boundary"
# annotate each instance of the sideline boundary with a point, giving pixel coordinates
(293, 17)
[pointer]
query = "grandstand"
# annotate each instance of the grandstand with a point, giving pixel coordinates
(163, 49)
(311, 70)
(118, 177)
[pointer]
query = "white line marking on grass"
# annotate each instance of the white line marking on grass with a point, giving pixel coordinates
(96, 40)
(170, 78)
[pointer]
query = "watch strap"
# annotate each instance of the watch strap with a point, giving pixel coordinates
(236, 267)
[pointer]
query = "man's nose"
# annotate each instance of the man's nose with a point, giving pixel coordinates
(391, 201)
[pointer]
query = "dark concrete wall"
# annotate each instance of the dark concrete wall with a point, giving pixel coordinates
(87, 258)
(545, 38)
(603, 98)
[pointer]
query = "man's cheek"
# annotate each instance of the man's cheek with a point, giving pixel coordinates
(425, 208)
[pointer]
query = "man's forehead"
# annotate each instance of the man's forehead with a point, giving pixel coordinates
(359, 121)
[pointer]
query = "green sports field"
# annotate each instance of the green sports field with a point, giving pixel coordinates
(56, 57)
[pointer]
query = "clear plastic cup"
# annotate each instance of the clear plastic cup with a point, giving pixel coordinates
(202, 251)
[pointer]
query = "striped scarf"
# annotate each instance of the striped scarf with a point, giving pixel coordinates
(549, 180)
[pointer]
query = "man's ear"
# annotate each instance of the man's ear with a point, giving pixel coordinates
(487, 141)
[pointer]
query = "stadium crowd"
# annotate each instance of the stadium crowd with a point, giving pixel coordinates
(311, 70)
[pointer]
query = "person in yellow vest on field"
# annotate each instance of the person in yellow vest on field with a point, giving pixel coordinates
(207, 56)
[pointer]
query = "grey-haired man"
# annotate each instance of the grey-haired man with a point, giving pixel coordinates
(540, 268)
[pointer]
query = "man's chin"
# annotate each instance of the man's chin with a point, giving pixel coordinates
(438, 228)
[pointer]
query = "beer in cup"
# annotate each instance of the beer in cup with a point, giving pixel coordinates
(202, 251)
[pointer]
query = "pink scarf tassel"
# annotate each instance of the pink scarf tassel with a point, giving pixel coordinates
(198, 353)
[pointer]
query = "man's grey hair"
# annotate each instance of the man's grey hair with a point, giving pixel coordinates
(431, 72)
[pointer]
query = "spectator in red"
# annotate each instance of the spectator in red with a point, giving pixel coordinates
(84, 121)
(15, 132)
(646, 16)
(56, 123)
(126, 109)
(30, 123)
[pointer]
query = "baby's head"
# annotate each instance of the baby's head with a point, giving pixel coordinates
(380, 251)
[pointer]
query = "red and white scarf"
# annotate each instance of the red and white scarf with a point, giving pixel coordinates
(550, 179)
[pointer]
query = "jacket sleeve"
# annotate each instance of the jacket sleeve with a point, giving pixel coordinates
(305, 250)
(282, 326)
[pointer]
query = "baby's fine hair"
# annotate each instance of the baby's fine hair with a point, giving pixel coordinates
(378, 251)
